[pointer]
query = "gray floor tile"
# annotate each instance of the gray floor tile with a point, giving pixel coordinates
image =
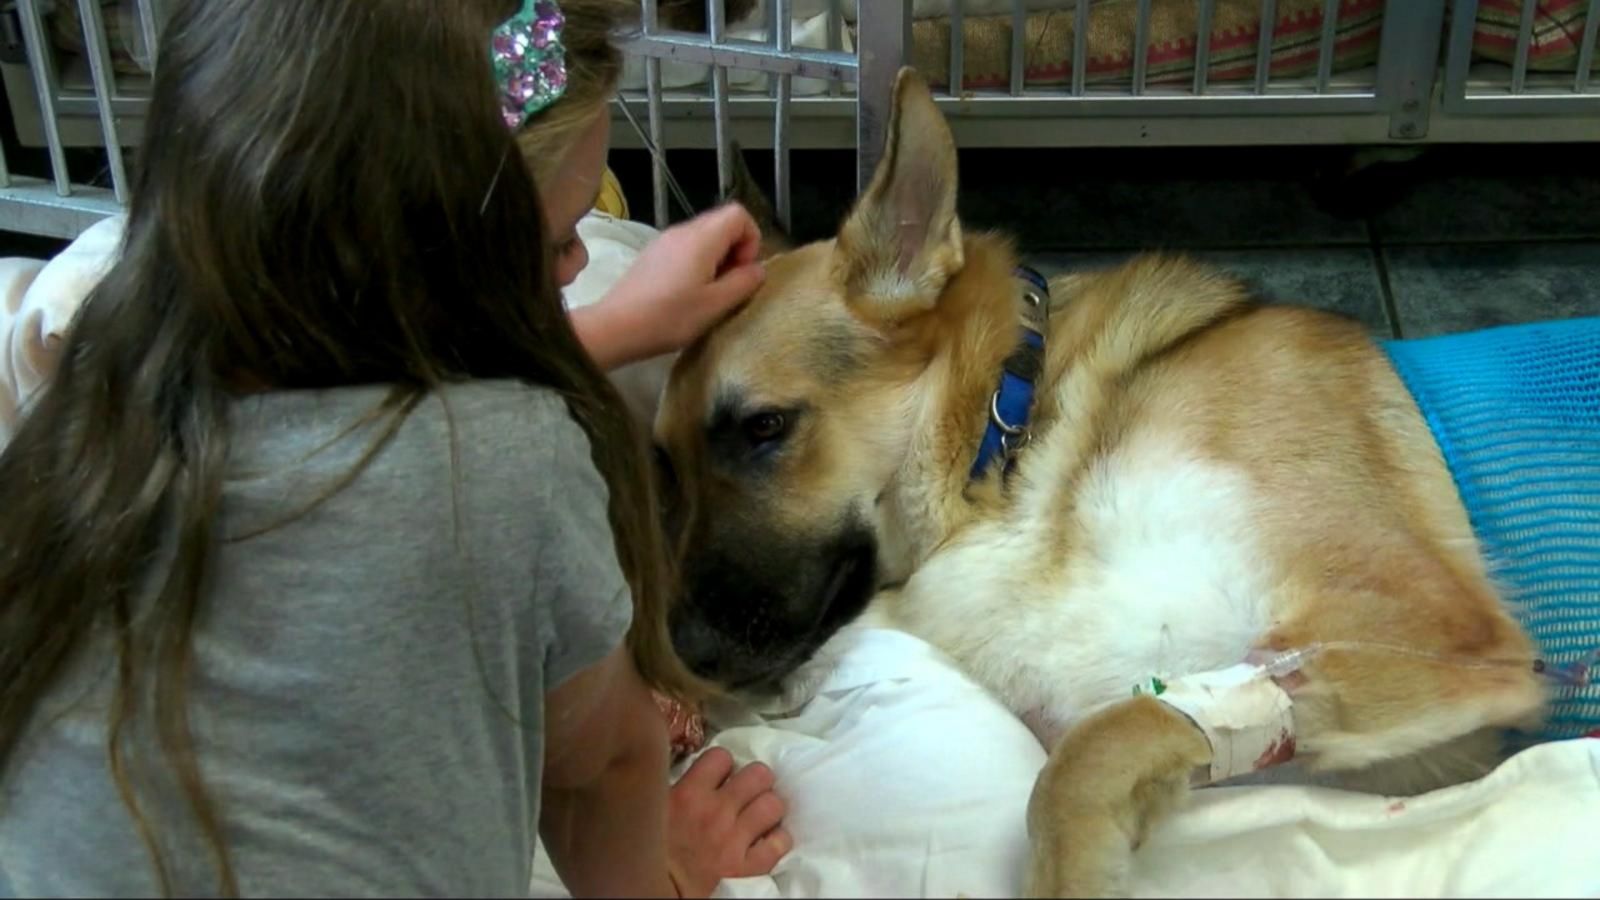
(1446, 289)
(1339, 279)
(1511, 207)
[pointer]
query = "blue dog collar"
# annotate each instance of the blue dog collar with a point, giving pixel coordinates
(1011, 405)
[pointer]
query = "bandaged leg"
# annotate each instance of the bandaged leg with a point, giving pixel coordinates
(1246, 717)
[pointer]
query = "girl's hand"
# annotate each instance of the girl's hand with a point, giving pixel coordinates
(723, 824)
(684, 282)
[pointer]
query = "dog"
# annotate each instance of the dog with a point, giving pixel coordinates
(1201, 481)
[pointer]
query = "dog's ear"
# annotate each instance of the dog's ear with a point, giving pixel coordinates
(747, 193)
(902, 242)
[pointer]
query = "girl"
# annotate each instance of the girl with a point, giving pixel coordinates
(318, 551)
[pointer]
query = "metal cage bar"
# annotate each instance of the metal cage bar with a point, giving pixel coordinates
(1019, 47)
(1269, 24)
(1519, 65)
(769, 28)
(1325, 46)
(1141, 48)
(746, 55)
(1408, 66)
(1202, 45)
(104, 92)
(958, 47)
(717, 21)
(1586, 50)
(1458, 59)
(653, 85)
(41, 62)
(783, 202)
(1080, 49)
(883, 42)
(836, 41)
(149, 12)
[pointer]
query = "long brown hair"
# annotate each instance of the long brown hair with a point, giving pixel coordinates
(325, 199)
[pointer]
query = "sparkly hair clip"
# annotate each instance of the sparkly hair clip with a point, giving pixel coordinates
(530, 65)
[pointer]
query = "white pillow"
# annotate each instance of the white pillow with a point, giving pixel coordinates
(903, 778)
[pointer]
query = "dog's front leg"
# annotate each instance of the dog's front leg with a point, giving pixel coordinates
(1107, 781)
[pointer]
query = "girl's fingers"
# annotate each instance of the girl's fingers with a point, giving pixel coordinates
(709, 771)
(734, 286)
(747, 784)
(737, 231)
(766, 852)
(761, 816)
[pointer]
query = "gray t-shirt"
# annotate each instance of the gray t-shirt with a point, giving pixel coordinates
(369, 679)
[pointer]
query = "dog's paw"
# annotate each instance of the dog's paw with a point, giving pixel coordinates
(1078, 856)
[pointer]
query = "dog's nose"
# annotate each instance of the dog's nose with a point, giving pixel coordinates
(696, 642)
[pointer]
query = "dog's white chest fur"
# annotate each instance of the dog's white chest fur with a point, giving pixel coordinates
(1154, 568)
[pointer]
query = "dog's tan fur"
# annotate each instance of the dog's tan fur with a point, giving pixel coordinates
(1316, 487)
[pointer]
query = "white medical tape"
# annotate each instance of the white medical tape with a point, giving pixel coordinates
(1246, 716)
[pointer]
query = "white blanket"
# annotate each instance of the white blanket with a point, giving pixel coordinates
(904, 779)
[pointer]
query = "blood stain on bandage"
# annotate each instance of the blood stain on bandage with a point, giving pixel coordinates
(1278, 752)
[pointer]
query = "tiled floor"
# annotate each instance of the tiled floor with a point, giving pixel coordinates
(1453, 241)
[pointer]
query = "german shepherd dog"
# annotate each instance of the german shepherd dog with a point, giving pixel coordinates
(1203, 480)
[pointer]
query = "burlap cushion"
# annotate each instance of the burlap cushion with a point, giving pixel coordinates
(1557, 33)
(1235, 34)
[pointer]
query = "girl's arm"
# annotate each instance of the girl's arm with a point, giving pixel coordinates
(605, 805)
(603, 816)
(685, 281)
(609, 339)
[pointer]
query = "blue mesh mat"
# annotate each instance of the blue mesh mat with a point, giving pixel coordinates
(1516, 412)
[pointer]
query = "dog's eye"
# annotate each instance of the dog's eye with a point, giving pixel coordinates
(765, 427)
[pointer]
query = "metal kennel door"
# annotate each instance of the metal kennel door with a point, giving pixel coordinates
(1473, 89)
(884, 28)
(54, 206)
